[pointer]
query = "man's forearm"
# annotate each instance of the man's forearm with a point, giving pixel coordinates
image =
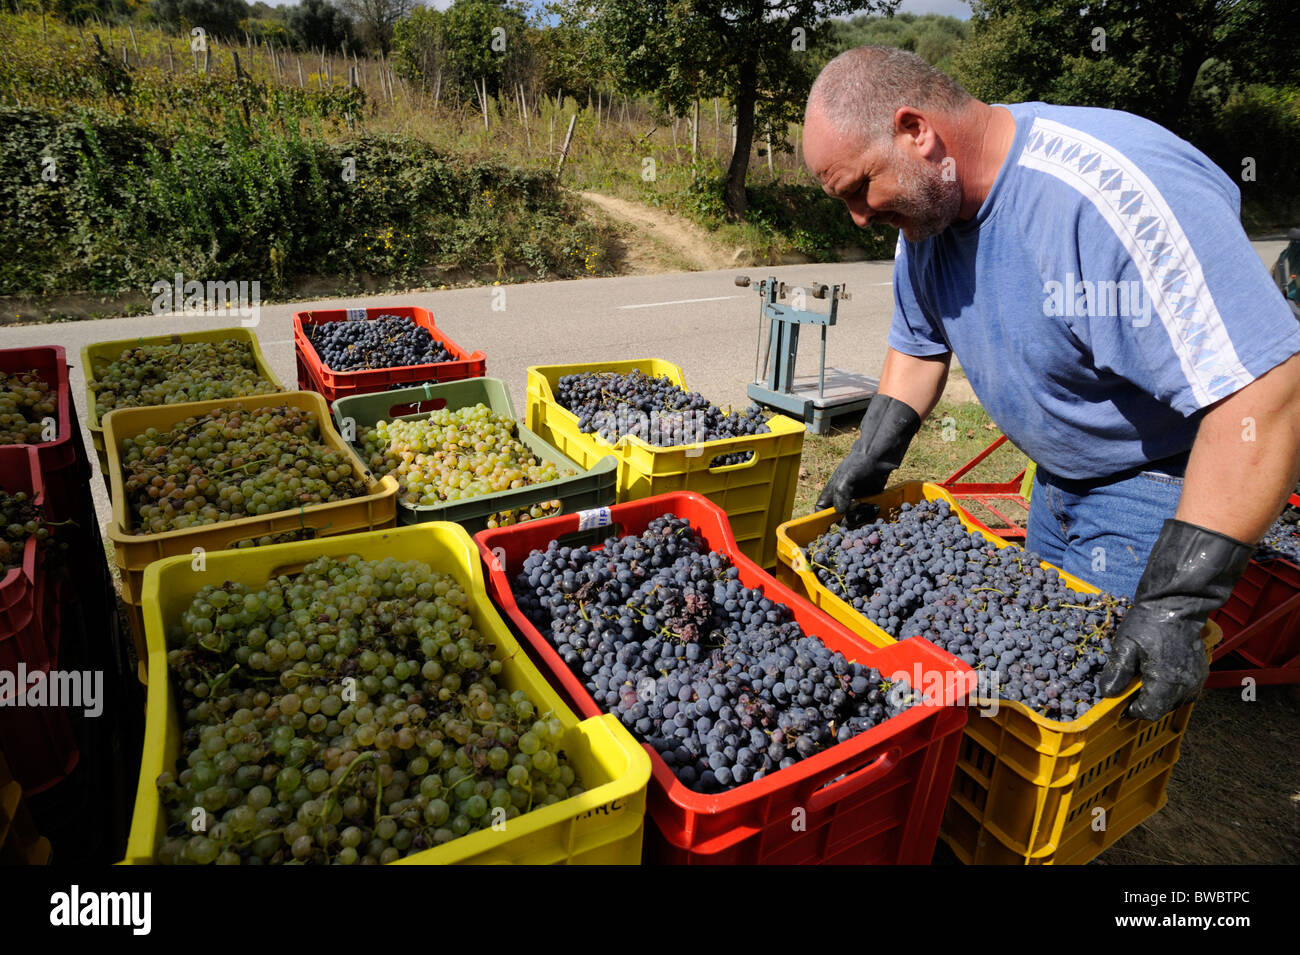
(1246, 458)
(917, 381)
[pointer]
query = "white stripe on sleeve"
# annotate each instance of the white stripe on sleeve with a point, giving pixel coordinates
(1151, 234)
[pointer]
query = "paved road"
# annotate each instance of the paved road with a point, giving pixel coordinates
(699, 320)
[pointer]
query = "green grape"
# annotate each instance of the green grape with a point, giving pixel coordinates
(26, 402)
(455, 455)
(170, 374)
(231, 463)
(20, 520)
(423, 760)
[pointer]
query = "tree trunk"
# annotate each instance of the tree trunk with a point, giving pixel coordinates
(746, 97)
(1175, 111)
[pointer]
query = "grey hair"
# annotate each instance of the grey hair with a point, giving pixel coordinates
(861, 89)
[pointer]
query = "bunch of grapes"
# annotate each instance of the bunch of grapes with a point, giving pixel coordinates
(20, 520)
(26, 400)
(350, 714)
(655, 410)
(386, 341)
(1036, 640)
(171, 374)
(457, 455)
(719, 679)
(1282, 540)
(232, 463)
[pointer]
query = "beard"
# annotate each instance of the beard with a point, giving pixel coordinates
(927, 201)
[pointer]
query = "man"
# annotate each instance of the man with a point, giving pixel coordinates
(1089, 270)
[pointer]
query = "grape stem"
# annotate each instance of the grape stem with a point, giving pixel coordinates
(221, 679)
(360, 758)
(240, 467)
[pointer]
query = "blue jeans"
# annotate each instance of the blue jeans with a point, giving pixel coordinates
(1102, 530)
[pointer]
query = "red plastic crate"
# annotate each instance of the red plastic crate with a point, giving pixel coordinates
(63, 464)
(1261, 625)
(38, 742)
(20, 470)
(1002, 499)
(313, 375)
(888, 807)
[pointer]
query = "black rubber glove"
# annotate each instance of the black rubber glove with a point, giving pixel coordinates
(887, 428)
(1190, 573)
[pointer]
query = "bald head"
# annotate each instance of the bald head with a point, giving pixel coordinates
(857, 94)
(887, 133)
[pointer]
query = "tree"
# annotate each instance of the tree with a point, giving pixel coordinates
(1143, 56)
(319, 23)
(375, 20)
(931, 36)
(419, 47)
(756, 53)
(222, 18)
(572, 57)
(472, 41)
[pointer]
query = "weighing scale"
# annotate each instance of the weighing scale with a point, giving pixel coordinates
(816, 399)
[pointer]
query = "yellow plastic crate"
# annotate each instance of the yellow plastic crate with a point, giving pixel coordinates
(604, 825)
(133, 552)
(20, 842)
(98, 356)
(757, 494)
(1027, 788)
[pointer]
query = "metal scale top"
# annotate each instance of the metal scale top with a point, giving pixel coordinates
(815, 399)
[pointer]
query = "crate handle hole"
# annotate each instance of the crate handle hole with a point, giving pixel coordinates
(854, 780)
(423, 406)
(721, 462)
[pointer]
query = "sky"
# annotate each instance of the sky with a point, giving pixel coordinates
(953, 8)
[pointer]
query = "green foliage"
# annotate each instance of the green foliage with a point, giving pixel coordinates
(221, 18)
(318, 24)
(473, 41)
(260, 201)
(1260, 123)
(571, 54)
(375, 20)
(931, 36)
(753, 52)
(815, 224)
(1136, 55)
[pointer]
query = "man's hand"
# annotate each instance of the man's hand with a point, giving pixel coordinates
(887, 429)
(1190, 573)
(908, 391)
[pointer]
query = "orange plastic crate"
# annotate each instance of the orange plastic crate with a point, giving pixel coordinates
(875, 798)
(314, 375)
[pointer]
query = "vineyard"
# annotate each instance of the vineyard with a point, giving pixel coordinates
(131, 154)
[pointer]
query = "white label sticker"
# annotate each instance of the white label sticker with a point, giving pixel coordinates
(356, 315)
(596, 517)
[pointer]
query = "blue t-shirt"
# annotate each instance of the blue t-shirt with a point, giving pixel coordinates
(1104, 294)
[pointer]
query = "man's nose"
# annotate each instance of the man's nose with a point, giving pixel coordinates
(861, 213)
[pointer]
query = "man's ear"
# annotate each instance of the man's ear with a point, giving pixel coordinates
(914, 125)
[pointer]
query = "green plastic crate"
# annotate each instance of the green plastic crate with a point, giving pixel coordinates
(590, 488)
